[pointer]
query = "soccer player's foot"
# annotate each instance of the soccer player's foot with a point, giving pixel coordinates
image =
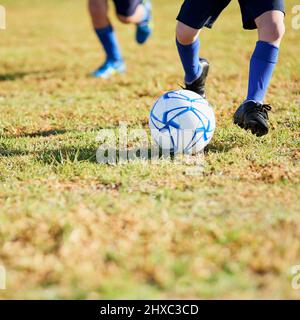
(109, 68)
(144, 28)
(198, 85)
(253, 116)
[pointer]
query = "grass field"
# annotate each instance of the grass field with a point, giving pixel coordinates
(73, 228)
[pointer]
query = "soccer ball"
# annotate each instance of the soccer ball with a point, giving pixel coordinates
(182, 122)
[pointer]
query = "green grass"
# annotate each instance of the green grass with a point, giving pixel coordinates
(73, 228)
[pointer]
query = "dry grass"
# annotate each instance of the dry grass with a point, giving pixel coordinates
(71, 228)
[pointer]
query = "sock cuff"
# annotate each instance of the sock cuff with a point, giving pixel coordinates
(266, 51)
(188, 46)
(105, 30)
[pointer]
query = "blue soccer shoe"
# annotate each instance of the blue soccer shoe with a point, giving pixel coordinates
(144, 28)
(109, 69)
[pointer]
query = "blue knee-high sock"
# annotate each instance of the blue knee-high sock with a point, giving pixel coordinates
(189, 55)
(109, 41)
(262, 64)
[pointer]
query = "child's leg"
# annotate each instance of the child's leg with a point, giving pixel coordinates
(136, 12)
(270, 32)
(268, 17)
(113, 63)
(99, 13)
(132, 11)
(188, 44)
(193, 16)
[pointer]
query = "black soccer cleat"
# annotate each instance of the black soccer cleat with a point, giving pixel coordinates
(253, 116)
(198, 85)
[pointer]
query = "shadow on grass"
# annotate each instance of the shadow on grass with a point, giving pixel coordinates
(101, 156)
(58, 156)
(36, 134)
(217, 147)
(12, 76)
(225, 144)
(67, 155)
(45, 133)
(12, 153)
(94, 154)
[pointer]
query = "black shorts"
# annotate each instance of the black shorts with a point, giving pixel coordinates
(203, 13)
(126, 8)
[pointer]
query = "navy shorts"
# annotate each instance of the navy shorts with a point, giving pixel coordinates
(126, 8)
(203, 13)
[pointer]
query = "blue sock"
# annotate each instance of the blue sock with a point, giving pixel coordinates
(189, 55)
(262, 64)
(110, 44)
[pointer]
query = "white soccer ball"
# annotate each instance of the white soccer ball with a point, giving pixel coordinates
(182, 122)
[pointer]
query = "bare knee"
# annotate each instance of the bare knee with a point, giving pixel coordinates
(271, 27)
(125, 19)
(185, 34)
(272, 33)
(135, 17)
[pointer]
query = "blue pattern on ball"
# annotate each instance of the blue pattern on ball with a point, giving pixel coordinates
(204, 130)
